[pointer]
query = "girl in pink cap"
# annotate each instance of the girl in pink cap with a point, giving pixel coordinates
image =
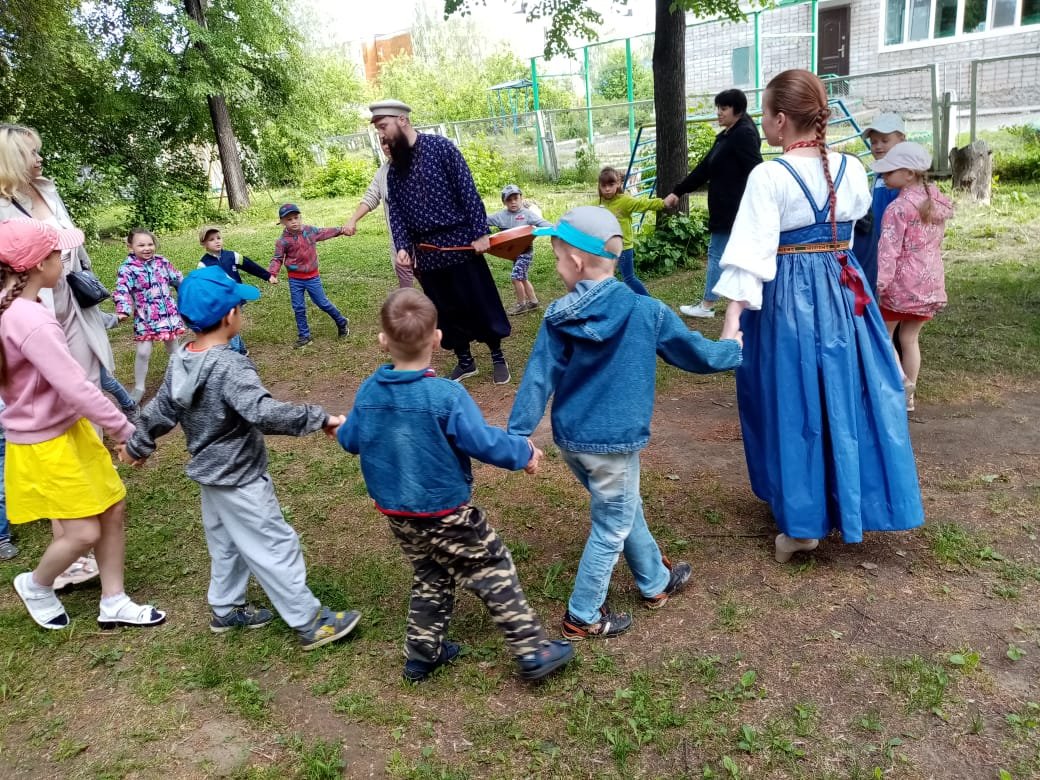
(57, 466)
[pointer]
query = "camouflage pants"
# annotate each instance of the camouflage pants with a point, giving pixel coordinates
(461, 549)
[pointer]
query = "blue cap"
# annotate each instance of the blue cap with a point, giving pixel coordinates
(587, 228)
(208, 294)
(287, 209)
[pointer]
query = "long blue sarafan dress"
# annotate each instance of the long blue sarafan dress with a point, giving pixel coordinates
(821, 399)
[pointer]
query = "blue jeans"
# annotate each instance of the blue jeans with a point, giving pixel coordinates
(5, 526)
(313, 288)
(618, 525)
(716, 246)
(237, 345)
(112, 386)
(627, 266)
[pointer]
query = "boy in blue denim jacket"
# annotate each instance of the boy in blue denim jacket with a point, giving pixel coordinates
(415, 434)
(596, 355)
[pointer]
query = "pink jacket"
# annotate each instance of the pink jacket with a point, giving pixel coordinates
(46, 389)
(910, 269)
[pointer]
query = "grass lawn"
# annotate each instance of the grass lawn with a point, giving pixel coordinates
(912, 655)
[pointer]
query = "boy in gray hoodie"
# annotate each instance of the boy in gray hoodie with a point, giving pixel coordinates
(216, 396)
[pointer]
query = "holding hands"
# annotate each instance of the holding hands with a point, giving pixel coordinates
(536, 457)
(125, 457)
(349, 229)
(332, 423)
(671, 201)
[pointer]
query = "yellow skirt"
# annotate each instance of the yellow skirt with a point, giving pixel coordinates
(65, 478)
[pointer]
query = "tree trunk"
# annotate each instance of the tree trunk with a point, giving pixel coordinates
(669, 66)
(973, 170)
(227, 147)
(227, 144)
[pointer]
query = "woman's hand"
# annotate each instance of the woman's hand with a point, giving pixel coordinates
(403, 258)
(731, 326)
(671, 201)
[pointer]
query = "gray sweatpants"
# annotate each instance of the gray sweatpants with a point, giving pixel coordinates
(247, 534)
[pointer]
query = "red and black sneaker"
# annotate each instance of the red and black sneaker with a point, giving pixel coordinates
(609, 624)
(680, 576)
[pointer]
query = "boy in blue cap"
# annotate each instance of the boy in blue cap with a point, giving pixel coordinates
(297, 250)
(596, 355)
(216, 396)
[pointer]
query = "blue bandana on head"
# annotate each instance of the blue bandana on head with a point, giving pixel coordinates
(587, 228)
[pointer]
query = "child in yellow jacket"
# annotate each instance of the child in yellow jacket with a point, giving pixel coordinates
(622, 205)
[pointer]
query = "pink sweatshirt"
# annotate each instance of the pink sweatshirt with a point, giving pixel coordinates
(910, 268)
(47, 391)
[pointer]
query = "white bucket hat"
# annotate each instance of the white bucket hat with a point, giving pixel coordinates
(907, 155)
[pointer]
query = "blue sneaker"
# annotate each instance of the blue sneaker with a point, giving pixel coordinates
(327, 626)
(416, 671)
(545, 660)
(242, 616)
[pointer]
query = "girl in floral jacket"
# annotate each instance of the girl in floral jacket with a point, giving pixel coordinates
(911, 286)
(144, 286)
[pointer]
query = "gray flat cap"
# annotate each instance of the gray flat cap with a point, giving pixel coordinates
(389, 108)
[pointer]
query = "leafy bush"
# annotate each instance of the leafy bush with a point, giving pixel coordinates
(490, 168)
(680, 241)
(1020, 162)
(699, 139)
(169, 192)
(341, 176)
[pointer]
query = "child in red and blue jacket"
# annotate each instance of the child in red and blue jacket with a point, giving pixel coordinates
(297, 251)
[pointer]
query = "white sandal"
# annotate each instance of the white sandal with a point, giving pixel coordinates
(84, 568)
(44, 607)
(130, 614)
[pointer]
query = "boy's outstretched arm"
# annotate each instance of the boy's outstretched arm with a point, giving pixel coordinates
(541, 374)
(689, 350)
(158, 418)
(244, 393)
(468, 431)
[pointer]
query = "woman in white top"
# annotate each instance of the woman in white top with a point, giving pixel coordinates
(26, 194)
(820, 396)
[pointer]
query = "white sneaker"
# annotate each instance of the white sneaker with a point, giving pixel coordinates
(697, 311)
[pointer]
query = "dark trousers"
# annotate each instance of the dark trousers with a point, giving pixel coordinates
(469, 307)
(461, 549)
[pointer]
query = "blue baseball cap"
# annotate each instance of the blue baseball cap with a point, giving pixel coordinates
(208, 294)
(287, 209)
(587, 228)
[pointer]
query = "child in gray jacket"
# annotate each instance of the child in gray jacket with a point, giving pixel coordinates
(216, 396)
(515, 214)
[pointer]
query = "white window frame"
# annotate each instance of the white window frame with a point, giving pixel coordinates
(959, 36)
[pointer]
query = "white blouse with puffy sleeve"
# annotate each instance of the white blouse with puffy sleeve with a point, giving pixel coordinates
(774, 202)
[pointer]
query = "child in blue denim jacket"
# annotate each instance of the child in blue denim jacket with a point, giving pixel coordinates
(415, 434)
(596, 354)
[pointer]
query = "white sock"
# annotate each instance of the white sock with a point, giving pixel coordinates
(111, 601)
(34, 585)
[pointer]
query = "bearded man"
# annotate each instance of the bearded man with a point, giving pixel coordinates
(432, 200)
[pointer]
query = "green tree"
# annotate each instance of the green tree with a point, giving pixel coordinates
(578, 18)
(612, 84)
(120, 91)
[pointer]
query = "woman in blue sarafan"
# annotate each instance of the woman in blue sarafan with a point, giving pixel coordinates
(821, 400)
